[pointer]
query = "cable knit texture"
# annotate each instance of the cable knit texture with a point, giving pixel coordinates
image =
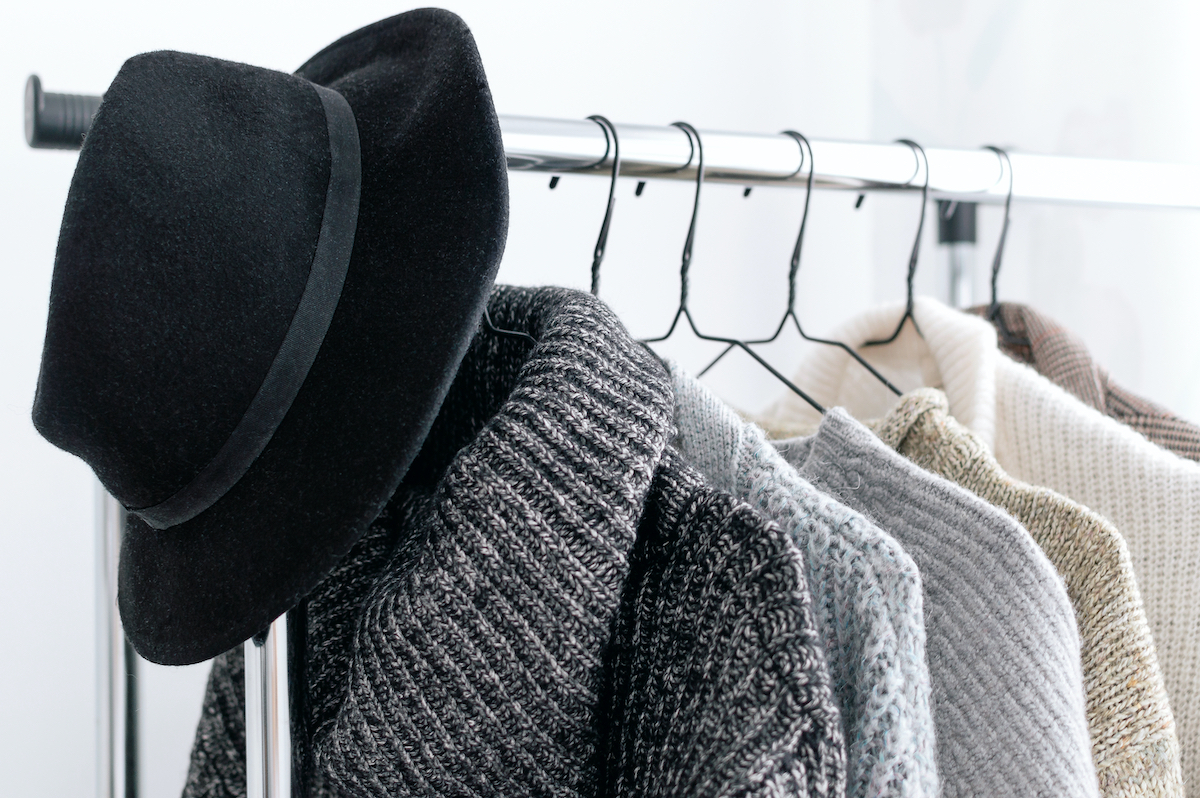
(867, 595)
(1134, 744)
(1063, 358)
(1043, 435)
(1048, 437)
(480, 659)
(1002, 645)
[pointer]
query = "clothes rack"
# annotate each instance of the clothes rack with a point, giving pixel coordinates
(563, 146)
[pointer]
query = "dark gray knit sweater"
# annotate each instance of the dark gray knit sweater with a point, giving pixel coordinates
(555, 604)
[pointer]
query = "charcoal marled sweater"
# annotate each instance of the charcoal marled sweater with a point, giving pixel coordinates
(1001, 640)
(555, 604)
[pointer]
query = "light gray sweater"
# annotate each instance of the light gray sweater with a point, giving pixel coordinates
(866, 592)
(1002, 644)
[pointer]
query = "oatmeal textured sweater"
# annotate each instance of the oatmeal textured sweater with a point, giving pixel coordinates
(867, 595)
(1133, 735)
(1045, 436)
(1001, 640)
(555, 604)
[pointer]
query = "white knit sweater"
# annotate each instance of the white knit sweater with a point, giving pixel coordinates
(1042, 435)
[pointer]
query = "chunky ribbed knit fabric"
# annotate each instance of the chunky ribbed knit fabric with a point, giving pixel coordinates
(867, 594)
(1044, 436)
(515, 642)
(1133, 735)
(1001, 640)
(1063, 358)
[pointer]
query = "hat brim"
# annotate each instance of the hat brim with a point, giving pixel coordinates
(432, 223)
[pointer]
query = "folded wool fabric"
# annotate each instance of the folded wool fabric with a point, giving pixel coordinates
(218, 760)
(1063, 358)
(566, 609)
(866, 591)
(1001, 640)
(1134, 743)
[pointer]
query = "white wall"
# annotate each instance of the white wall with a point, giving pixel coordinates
(1055, 76)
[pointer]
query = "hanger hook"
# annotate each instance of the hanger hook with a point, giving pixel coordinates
(686, 259)
(922, 160)
(993, 312)
(794, 269)
(916, 249)
(602, 241)
(1005, 165)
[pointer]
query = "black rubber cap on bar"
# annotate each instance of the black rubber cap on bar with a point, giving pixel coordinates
(56, 121)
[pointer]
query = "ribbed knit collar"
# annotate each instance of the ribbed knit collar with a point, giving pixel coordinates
(482, 657)
(954, 352)
(579, 341)
(894, 428)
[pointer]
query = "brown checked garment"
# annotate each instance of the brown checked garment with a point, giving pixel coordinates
(1059, 355)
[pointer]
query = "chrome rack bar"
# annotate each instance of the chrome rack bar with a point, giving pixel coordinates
(557, 145)
(649, 152)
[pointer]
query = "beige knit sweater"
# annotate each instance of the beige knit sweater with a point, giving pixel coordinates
(1134, 743)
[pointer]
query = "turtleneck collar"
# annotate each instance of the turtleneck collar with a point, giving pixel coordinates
(953, 351)
(585, 378)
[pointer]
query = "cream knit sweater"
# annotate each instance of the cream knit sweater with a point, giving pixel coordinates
(1042, 435)
(1133, 735)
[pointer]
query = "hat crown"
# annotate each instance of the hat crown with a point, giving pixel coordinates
(187, 240)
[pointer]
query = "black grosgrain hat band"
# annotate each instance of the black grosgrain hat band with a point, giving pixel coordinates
(304, 336)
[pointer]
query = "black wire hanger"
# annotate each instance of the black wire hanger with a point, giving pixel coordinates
(795, 269)
(610, 141)
(685, 263)
(602, 241)
(993, 313)
(916, 248)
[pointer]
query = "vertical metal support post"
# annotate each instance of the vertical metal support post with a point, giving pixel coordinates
(116, 664)
(268, 717)
(956, 237)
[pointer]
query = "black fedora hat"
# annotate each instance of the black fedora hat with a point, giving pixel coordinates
(263, 288)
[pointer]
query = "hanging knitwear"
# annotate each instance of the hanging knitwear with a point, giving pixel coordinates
(1001, 640)
(1063, 358)
(866, 590)
(565, 608)
(1133, 735)
(1044, 436)
(1048, 437)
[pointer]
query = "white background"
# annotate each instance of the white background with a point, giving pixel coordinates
(1093, 78)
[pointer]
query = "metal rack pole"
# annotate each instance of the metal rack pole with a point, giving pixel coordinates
(116, 664)
(268, 717)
